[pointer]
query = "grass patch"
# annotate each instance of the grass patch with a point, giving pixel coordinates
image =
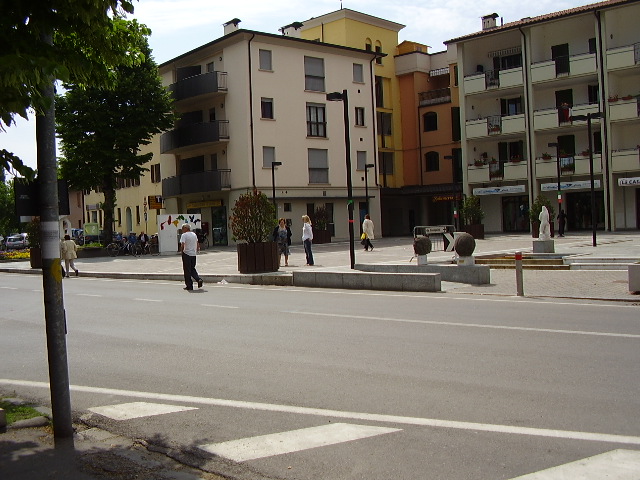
(18, 412)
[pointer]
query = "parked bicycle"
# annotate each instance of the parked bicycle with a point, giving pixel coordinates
(203, 238)
(152, 247)
(124, 247)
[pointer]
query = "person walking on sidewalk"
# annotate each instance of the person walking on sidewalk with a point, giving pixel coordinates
(367, 230)
(562, 220)
(189, 247)
(307, 237)
(68, 249)
(282, 236)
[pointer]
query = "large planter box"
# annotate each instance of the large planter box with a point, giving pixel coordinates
(476, 230)
(634, 278)
(321, 236)
(258, 257)
(35, 257)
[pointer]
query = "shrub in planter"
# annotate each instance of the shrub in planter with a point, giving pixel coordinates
(472, 215)
(252, 221)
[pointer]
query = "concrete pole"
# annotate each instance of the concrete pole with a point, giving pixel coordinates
(519, 282)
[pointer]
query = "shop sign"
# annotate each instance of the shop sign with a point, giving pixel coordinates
(204, 204)
(155, 202)
(629, 182)
(581, 185)
(499, 190)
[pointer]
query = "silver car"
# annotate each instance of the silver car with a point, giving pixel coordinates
(17, 241)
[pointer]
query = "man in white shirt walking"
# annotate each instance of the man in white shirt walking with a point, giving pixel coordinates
(189, 247)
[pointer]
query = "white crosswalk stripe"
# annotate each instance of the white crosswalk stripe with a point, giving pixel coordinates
(293, 441)
(127, 411)
(614, 465)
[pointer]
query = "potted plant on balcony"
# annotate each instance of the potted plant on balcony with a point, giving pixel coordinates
(472, 214)
(35, 252)
(252, 221)
(546, 156)
(534, 214)
(478, 162)
(321, 232)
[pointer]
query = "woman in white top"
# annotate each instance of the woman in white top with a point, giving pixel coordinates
(367, 229)
(307, 237)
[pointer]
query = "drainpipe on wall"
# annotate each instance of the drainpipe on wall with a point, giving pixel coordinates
(253, 149)
(604, 131)
(375, 135)
(419, 146)
(528, 124)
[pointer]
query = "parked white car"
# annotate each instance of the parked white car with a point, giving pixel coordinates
(17, 241)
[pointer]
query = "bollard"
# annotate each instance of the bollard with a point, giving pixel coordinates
(519, 285)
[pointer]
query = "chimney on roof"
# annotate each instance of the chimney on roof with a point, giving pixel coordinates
(231, 26)
(291, 30)
(489, 21)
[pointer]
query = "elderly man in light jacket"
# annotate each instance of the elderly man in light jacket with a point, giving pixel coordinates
(68, 249)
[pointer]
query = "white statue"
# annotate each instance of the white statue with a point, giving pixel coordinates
(545, 229)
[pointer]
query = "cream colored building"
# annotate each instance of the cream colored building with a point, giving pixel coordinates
(249, 99)
(526, 88)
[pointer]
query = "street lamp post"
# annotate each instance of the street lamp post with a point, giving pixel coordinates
(344, 98)
(557, 147)
(366, 183)
(588, 118)
(273, 185)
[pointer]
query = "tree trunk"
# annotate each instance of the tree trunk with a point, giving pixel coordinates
(108, 207)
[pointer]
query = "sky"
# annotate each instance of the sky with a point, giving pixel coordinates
(181, 25)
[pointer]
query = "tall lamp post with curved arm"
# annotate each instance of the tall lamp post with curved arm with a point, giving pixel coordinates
(344, 98)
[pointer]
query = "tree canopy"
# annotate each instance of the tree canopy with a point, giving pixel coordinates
(89, 39)
(102, 129)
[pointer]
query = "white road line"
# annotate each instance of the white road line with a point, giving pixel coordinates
(147, 300)
(468, 325)
(217, 306)
(294, 441)
(614, 465)
(127, 411)
(371, 417)
(87, 295)
(9, 288)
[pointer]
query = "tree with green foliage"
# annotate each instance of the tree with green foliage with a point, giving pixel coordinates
(102, 130)
(89, 39)
(8, 220)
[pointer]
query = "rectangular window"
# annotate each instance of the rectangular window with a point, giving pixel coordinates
(318, 165)
(360, 116)
(287, 207)
(155, 173)
(316, 120)
(314, 74)
(210, 67)
(358, 73)
(592, 45)
(265, 60)
(432, 161)
(138, 214)
(379, 87)
(268, 156)
(384, 123)
(266, 106)
(361, 160)
(456, 133)
(511, 106)
(119, 216)
(593, 93)
(385, 163)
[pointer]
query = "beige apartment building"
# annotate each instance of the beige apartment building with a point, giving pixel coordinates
(249, 99)
(529, 90)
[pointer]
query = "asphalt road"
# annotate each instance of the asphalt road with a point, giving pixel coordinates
(453, 387)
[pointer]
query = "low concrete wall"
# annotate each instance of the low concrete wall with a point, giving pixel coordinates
(634, 277)
(472, 274)
(403, 282)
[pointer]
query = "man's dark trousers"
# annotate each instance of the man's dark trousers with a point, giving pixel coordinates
(189, 268)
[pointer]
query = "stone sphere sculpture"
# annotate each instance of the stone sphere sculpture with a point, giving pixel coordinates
(422, 246)
(464, 244)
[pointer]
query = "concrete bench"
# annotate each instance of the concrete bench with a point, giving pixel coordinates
(403, 282)
(634, 277)
(474, 275)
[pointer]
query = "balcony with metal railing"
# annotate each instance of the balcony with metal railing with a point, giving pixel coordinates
(195, 134)
(197, 85)
(623, 57)
(198, 182)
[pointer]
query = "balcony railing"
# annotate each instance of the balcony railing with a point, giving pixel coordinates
(199, 182)
(435, 97)
(494, 124)
(194, 134)
(496, 171)
(211, 82)
(567, 165)
(492, 78)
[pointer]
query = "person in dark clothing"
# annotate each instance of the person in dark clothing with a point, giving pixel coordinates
(562, 220)
(282, 236)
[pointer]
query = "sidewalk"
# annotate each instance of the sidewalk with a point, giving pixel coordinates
(220, 263)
